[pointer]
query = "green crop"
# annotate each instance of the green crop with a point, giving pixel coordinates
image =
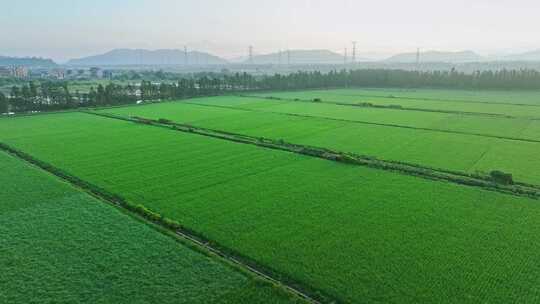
(354, 233)
(59, 245)
(442, 150)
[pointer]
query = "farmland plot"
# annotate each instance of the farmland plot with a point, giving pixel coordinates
(60, 245)
(354, 233)
(519, 104)
(422, 147)
(489, 126)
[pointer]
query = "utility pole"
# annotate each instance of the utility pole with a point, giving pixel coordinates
(418, 58)
(354, 52)
(185, 56)
(250, 52)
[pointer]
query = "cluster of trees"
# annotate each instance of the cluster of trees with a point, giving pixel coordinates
(38, 97)
(57, 95)
(3, 103)
(51, 95)
(502, 79)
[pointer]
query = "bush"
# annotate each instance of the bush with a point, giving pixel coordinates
(143, 120)
(164, 121)
(347, 159)
(171, 224)
(331, 156)
(365, 104)
(312, 152)
(142, 210)
(501, 177)
(317, 100)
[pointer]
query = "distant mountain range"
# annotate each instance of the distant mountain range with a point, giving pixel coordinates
(132, 57)
(177, 57)
(128, 57)
(26, 61)
(528, 56)
(299, 57)
(435, 56)
(148, 57)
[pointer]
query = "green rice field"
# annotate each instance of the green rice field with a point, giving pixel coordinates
(517, 128)
(515, 103)
(349, 233)
(441, 150)
(60, 245)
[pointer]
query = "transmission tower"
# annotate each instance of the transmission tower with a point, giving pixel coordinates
(288, 57)
(279, 57)
(354, 52)
(345, 56)
(185, 56)
(250, 54)
(417, 57)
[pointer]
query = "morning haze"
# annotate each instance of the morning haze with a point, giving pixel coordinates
(270, 152)
(54, 28)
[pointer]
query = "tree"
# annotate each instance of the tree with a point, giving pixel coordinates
(4, 105)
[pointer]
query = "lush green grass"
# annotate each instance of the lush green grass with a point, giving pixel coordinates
(358, 234)
(60, 245)
(458, 152)
(494, 102)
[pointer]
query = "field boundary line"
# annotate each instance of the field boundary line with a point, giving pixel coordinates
(389, 107)
(474, 180)
(327, 89)
(445, 100)
(367, 122)
(185, 233)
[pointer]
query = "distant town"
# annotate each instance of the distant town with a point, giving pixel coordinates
(23, 72)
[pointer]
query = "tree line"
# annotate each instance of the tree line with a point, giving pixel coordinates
(51, 95)
(502, 79)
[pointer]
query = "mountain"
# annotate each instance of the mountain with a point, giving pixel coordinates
(148, 57)
(528, 56)
(26, 61)
(299, 57)
(435, 56)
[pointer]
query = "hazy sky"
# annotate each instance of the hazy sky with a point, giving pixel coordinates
(64, 29)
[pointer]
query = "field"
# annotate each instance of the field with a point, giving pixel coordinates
(431, 148)
(350, 233)
(517, 128)
(515, 103)
(60, 245)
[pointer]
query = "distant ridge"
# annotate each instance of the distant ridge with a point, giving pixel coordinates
(26, 61)
(528, 56)
(148, 57)
(299, 57)
(435, 56)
